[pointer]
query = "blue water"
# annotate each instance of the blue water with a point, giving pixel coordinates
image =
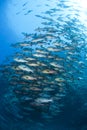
(20, 22)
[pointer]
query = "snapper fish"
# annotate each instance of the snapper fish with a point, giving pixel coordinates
(37, 40)
(39, 55)
(19, 60)
(50, 57)
(39, 29)
(47, 71)
(43, 100)
(27, 50)
(59, 79)
(41, 64)
(53, 49)
(58, 59)
(56, 44)
(35, 89)
(68, 48)
(24, 44)
(61, 84)
(24, 68)
(27, 77)
(56, 65)
(70, 53)
(50, 36)
(42, 52)
(48, 89)
(29, 59)
(32, 64)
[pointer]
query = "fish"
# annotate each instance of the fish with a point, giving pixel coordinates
(61, 84)
(48, 89)
(60, 79)
(50, 36)
(47, 71)
(32, 64)
(43, 100)
(29, 36)
(27, 77)
(18, 13)
(27, 50)
(50, 57)
(39, 55)
(29, 11)
(20, 60)
(41, 64)
(25, 4)
(35, 89)
(53, 49)
(39, 29)
(16, 45)
(56, 44)
(24, 68)
(56, 65)
(42, 52)
(17, 54)
(58, 59)
(26, 98)
(24, 44)
(48, 82)
(29, 59)
(37, 40)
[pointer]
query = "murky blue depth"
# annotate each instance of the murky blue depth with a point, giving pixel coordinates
(43, 65)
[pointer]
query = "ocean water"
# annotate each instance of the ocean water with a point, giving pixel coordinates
(43, 65)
